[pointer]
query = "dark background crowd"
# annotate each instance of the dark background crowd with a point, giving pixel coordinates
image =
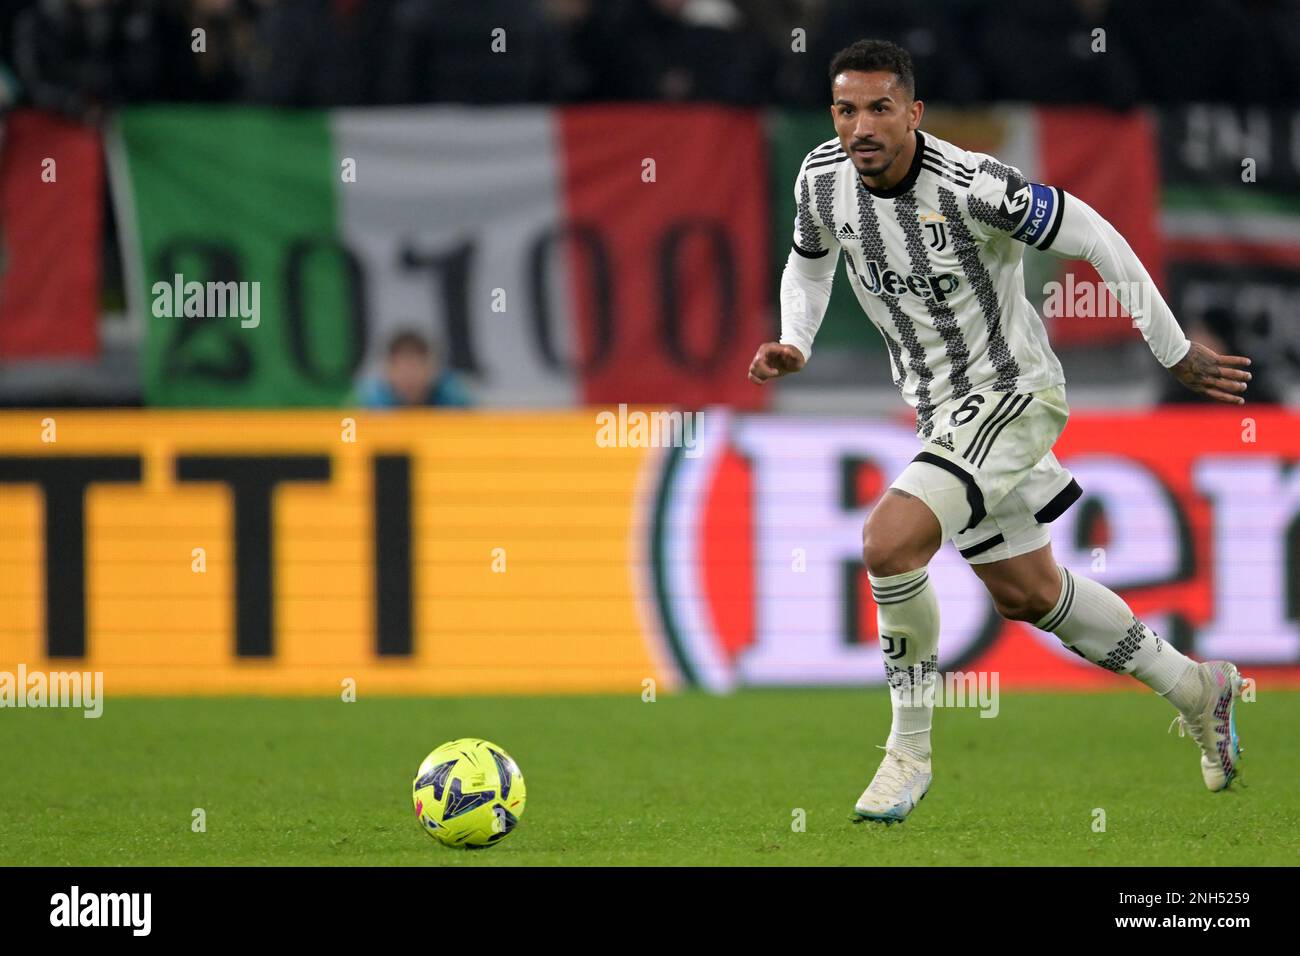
(79, 57)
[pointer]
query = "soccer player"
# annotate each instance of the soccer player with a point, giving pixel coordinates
(933, 237)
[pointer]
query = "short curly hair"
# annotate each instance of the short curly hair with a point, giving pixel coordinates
(871, 56)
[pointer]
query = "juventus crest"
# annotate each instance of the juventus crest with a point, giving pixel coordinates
(937, 232)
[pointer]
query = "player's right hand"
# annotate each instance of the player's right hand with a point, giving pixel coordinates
(772, 360)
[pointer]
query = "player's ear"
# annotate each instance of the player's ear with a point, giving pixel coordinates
(918, 110)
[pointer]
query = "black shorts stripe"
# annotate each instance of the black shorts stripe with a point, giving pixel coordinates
(979, 433)
(974, 497)
(980, 548)
(996, 425)
(1060, 501)
(993, 436)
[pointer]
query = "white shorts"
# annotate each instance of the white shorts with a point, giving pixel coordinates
(989, 475)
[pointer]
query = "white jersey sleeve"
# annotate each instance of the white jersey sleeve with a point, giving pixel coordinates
(1001, 202)
(1084, 234)
(810, 269)
(804, 298)
(814, 237)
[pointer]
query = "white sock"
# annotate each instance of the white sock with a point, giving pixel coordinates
(908, 619)
(1097, 624)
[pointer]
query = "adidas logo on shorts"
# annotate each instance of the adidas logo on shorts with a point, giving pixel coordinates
(944, 441)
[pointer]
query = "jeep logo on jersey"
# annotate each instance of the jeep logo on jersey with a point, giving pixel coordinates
(879, 281)
(755, 554)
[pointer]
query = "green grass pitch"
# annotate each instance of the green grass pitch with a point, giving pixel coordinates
(688, 779)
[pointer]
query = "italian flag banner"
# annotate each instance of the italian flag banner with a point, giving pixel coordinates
(554, 256)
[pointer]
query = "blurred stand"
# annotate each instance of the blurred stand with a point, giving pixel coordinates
(82, 56)
(81, 59)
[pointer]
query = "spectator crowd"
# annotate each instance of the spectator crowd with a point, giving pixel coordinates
(80, 57)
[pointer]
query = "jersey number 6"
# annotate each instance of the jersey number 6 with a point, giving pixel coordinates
(968, 410)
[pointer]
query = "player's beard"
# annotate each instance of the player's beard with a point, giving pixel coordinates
(877, 166)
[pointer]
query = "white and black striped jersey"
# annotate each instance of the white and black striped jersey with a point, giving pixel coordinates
(935, 262)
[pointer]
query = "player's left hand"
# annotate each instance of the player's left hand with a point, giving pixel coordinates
(1216, 376)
